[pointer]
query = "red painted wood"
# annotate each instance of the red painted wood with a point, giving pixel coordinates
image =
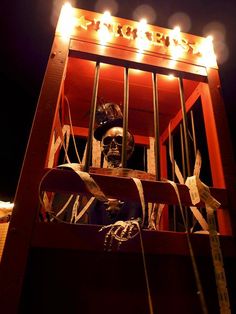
(220, 148)
(88, 238)
(131, 58)
(89, 34)
(26, 199)
(155, 191)
(27, 238)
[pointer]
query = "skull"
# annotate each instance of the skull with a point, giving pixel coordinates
(111, 146)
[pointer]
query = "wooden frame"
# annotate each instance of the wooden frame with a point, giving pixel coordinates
(25, 232)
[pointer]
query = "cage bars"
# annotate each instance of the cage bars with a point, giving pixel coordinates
(92, 118)
(125, 117)
(156, 127)
(185, 124)
(193, 133)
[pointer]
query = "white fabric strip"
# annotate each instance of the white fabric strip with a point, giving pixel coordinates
(91, 185)
(211, 205)
(86, 207)
(141, 196)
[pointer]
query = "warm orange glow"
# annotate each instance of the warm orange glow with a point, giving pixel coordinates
(142, 41)
(6, 205)
(210, 38)
(207, 51)
(175, 33)
(142, 25)
(172, 64)
(176, 52)
(139, 56)
(66, 21)
(175, 47)
(104, 65)
(144, 36)
(171, 77)
(104, 33)
(106, 18)
(136, 71)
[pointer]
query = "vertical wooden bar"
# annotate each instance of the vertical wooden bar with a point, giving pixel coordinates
(185, 125)
(185, 137)
(220, 149)
(92, 118)
(125, 117)
(172, 157)
(182, 151)
(25, 212)
(164, 223)
(193, 133)
(156, 126)
(173, 176)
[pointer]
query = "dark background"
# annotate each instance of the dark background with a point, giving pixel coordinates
(27, 30)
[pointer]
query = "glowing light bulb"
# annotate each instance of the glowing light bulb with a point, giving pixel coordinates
(142, 26)
(175, 47)
(175, 33)
(210, 38)
(171, 77)
(106, 18)
(103, 33)
(142, 41)
(206, 49)
(6, 205)
(66, 21)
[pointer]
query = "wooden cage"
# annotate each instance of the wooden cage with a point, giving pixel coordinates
(169, 89)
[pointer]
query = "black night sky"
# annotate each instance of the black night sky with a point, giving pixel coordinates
(27, 29)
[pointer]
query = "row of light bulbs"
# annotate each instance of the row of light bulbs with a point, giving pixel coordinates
(208, 57)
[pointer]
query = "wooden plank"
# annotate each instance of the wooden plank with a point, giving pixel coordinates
(88, 238)
(65, 181)
(158, 43)
(16, 249)
(220, 147)
(131, 59)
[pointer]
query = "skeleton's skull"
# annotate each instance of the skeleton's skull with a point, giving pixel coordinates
(111, 146)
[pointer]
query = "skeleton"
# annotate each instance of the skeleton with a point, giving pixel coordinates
(120, 231)
(110, 134)
(111, 146)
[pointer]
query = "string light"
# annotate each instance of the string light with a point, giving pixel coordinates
(175, 38)
(175, 33)
(206, 49)
(177, 45)
(103, 32)
(66, 21)
(142, 41)
(171, 77)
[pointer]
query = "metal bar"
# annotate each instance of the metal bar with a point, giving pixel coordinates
(185, 125)
(173, 177)
(185, 139)
(194, 220)
(194, 134)
(183, 169)
(125, 117)
(92, 118)
(182, 151)
(156, 127)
